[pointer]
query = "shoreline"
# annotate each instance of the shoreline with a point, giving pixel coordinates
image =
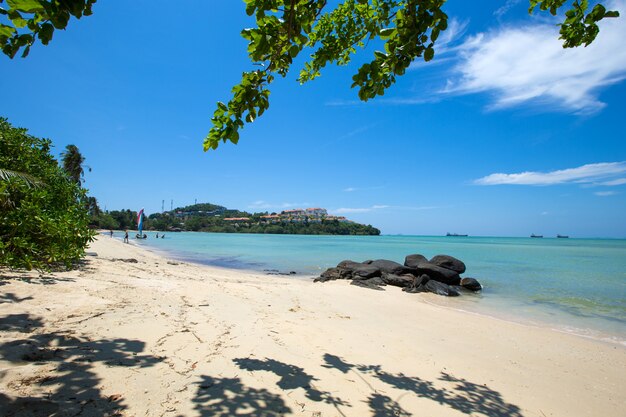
(568, 326)
(162, 337)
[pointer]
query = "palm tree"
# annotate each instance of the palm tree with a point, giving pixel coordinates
(7, 174)
(73, 163)
(92, 206)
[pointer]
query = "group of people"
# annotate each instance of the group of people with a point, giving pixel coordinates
(138, 236)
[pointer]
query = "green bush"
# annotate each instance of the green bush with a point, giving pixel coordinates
(44, 222)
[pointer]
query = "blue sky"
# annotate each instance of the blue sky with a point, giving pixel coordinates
(502, 134)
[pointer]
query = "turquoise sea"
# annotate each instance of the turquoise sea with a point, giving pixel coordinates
(574, 285)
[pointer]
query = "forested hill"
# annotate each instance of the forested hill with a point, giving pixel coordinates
(208, 217)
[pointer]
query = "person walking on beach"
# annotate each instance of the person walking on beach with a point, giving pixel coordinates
(157, 236)
(111, 232)
(126, 236)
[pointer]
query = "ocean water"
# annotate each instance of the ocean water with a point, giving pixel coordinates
(574, 285)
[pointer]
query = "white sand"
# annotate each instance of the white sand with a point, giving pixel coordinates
(164, 338)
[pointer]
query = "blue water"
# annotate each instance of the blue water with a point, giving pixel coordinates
(577, 285)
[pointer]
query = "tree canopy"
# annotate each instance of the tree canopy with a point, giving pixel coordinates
(73, 161)
(406, 30)
(43, 213)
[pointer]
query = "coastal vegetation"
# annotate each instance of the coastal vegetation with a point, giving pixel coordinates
(401, 30)
(44, 220)
(208, 217)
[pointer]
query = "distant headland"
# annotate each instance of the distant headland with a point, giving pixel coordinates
(207, 217)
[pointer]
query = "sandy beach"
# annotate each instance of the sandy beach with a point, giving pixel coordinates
(132, 333)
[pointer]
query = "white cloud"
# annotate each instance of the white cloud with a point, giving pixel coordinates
(529, 65)
(348, 210)
(583, 174)
(340, 102)
(605, 193)
(356, 131)
(456, 29)
(502, 10)
(447, 43)
(613, 183)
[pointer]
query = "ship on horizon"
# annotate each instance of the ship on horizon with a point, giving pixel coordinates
(562, 236)
(534, 235)
(455, 235)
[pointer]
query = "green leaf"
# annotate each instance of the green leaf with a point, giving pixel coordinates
(429, 53)
(7, 31)
(45, 33)
(294, 50)
(28, 6)
(386, 33)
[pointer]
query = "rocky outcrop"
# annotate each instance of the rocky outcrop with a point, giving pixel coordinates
(398, 280)
(413, 260)
(359, 269)
(447, 276)
(440, 275)
(471, 284)
(448, 262)
(440, 288)
(390, 267)
(375, 283)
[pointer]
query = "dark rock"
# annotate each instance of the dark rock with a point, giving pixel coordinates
(365, 271)
(359, 270)
(448, 262)
(390, 267)
(438, 273)
(349, 270)
(398, 280)
(348, 264)
(375, 283)
(413, 260)
(418, 284)
(440, 288)
(332, 274)
(413, 290)
(471, 284)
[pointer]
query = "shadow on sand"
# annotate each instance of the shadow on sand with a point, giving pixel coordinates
(29, 279)
(10, 297)
(229, 396)
(222, 397)
(465, 396)
(68, 384)
(291, 377)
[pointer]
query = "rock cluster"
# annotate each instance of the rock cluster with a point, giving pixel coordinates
(440, 275)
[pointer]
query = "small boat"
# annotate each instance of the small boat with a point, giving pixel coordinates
(562, 236)
(455, 235)
(534, 235)
(140, 235)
